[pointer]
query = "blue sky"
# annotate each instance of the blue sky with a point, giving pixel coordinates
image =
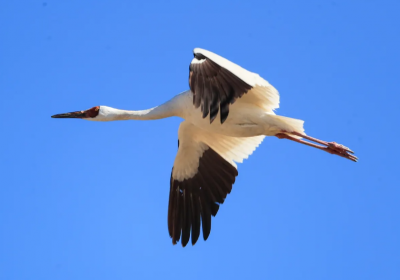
(84, 200)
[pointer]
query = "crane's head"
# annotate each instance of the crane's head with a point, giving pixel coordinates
(98, 113)
(90, 114)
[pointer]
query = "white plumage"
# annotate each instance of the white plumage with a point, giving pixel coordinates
(194, 141)
(227, 113)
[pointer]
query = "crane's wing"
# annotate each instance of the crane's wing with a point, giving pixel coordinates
(217, 82)
(203, 174)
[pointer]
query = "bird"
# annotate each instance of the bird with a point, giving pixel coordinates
(227, 112)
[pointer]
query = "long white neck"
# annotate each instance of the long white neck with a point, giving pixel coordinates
(168, 109)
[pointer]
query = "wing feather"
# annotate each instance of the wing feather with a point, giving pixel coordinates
(202, 177)
(217, 83)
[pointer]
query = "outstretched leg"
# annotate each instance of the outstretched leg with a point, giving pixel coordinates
(330, 147)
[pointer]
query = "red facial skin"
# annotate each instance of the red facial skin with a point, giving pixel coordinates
(92, 112)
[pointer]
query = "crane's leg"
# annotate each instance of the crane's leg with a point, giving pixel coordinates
(330, 147)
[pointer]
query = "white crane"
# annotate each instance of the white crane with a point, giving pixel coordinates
(227, 113)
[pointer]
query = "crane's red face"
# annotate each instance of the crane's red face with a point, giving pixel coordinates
(91, 113)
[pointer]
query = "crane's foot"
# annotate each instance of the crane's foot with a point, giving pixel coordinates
(330, 147)
(340, 150)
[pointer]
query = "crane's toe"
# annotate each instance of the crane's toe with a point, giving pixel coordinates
(340, 150)
(339, 147)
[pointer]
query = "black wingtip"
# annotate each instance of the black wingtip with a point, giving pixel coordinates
(193, 202)
(214, 209)
(223, 118)
(199, 56)
(212, 118)
(205, 112)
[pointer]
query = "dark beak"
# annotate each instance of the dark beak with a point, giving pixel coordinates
(77, 114)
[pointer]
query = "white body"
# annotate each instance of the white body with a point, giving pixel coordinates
(245, 119)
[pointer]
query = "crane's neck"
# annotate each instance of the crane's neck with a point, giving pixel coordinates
(168, 109)
(112, 114)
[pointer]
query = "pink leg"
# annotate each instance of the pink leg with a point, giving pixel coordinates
(330, 147)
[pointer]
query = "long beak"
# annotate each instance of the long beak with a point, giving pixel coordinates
(77, 114)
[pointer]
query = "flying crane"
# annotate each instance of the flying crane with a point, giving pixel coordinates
(227, 113)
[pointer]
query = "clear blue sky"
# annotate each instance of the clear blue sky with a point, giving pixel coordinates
(84, 200)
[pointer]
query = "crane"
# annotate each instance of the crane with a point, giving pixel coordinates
(227, 113)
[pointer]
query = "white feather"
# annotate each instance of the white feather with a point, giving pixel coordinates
(194, 141)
